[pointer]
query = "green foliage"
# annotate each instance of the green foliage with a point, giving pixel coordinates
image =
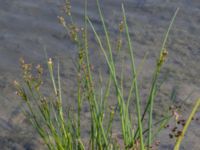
(60, 130)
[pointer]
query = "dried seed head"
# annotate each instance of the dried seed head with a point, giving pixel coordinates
(162, 58)
(58, 104)
(121, 26)
(119, 43)
(50, 61)
(174, 129)
(16, 83)
(176, 115)
(62, 21)
(183, 124)
(81, 55)
(171, 136)
(39, 69)
(179, 133)
(74, 32)
(68, 7)
(43, 101)
(165, 53)
(21, 61)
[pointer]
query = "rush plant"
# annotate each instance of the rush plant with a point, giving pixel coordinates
(60, 129)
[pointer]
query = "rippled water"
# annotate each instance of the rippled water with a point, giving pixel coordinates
(29, 26)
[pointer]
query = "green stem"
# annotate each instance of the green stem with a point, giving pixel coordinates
(138, 108)
(180, 138)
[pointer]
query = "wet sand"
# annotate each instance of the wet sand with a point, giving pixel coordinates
(27, 27)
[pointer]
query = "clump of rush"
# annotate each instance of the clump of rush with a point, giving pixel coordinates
(61, 129)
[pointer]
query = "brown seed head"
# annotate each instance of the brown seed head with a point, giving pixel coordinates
(121, 26)
(171, 136)
(16, 83)
(162, 58)
(68, 7)
(39, 69)
(62, 21)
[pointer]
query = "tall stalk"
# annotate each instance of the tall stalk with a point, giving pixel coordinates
(161, 60)
(138, 108)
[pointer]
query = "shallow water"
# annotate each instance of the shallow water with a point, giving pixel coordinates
(29, 26)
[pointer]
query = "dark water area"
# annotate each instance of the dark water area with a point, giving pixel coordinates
(27, 27)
